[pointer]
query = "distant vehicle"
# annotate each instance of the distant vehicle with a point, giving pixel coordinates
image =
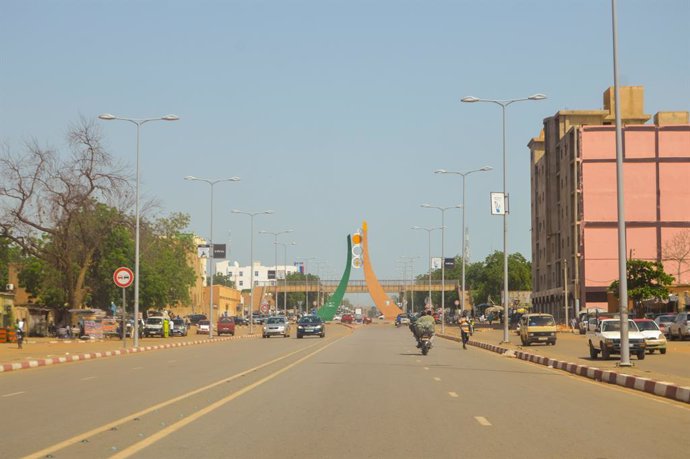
(402, 319)
(664, 322)
(195, 318)
(347, 319)
(203, 327)
(680, 329)
(606, 339)
(226, 325)
(154, 327)
(381, 317)
(366, 320)
(537, 328)
(654, 338)
(311, 325)
(239, 320)
(337, 317)
(259, 319)
(276, 325)
(178, 327)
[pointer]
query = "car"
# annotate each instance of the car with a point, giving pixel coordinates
(178, 327)
(654, 338)
(203, 327)
(605, 338)
(226, 325)
(537, 328)
(402, 319)
(276, 325)
(195, 318)
(381, 317)
(337, 317)
(239, 320)
(680, 329)
(346, 319)
(366, 320)
(311, 325)
(154, 326)
(664, 322)
(259, 319)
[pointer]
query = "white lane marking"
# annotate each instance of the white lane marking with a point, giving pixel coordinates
(436, 378)
(418, 360)
(14, 393)
(453, 394)
(482, 421)
(88, 377)
(426, 368)
(138, 368)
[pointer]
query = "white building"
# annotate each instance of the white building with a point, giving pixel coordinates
(241, 275)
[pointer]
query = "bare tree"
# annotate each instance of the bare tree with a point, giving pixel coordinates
(59, 210)
(678, 250)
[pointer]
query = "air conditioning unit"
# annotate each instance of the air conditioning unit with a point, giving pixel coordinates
(9, 287)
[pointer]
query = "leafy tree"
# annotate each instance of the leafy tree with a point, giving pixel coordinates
(646, 281)
(223, 279)
(485, 279)
(293, 298)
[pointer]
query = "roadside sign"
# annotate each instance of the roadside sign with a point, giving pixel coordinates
(264, 308)
(123, 277)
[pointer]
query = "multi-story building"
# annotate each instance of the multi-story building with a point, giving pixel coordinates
(241, 275)
(574, 199)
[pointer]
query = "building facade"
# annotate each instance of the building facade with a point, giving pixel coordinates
(574, 199)
(241, 275)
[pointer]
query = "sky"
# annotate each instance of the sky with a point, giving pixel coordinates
(331, 112)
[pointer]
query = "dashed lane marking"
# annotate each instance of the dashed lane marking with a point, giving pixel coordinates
(138, 368)
(482, 421)
(88, 378)
(13, 394)
(436, 378)
(426, 368)
(453, 394)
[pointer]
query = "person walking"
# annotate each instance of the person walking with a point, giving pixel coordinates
(20, 333)
(465, 330)
(573, 324)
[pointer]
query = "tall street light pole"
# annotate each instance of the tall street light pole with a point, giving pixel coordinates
(306, 282)
(464, 228)
(285, 245)
(428, 230)
(275, 247)
(138, 122)
(212, 183)
(251, 264)
(410, 260)
(443, 259)
(504, 104)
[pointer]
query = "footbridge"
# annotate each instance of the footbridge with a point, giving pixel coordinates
(360, 286)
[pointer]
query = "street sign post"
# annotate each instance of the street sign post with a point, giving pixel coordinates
(123, 278)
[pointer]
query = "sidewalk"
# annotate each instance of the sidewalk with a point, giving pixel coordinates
(667, 378)
(38, 352)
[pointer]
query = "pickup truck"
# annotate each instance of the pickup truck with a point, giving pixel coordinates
(606, 338)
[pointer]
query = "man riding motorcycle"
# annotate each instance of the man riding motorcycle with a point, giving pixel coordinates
(424, 325)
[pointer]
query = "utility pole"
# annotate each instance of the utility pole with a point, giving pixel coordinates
(565, 289)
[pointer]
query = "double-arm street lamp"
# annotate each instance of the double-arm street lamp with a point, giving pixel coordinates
(251, 264)
(275, 244)
(464, 234)
(212, 263)
(428, 230)
(138, 122)
(443, 259)
(504, 104)
(285, 246)
(306, 282)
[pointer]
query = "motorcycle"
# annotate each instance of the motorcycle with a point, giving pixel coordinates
(425, 343)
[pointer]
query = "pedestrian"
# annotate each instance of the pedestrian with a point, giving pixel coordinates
(573, 324)
(465, 331)
(20, 333)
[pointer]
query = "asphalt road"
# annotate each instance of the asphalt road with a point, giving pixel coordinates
(367, 394)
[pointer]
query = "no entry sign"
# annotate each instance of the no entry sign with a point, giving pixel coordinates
(123, 277)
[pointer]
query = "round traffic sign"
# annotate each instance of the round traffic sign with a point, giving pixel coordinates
(123, 277)
(264, 308)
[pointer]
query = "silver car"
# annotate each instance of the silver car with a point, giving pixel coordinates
(276, 325)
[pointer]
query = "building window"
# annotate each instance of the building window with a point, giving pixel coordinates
(241, 283)
(240, 273)
(256, 273)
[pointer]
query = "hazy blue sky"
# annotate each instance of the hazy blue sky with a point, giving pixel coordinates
(331, 112)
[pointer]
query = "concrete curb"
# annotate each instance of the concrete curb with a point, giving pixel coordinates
(660, 388)
(5, 367)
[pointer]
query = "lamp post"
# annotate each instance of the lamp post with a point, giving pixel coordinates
(319, 264)
(285, 245)
(138, 122)
(464, 237)
(443, 259)
(251, 267)
(306, 282)
(410, 260)
(428, 230)
(212, 183)
(275, 244)
(504, 104)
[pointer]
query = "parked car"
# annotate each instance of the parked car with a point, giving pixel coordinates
(606, 339)
(239, 320)
(311, 325)
(276, 325)
(259, 319)
(195, 318)
(346, 319)
(178, 327)
(664, 322)
(680, 329)
(203, 327)
(226, 325)
(537, 328)
(154, 326)
(654, 338)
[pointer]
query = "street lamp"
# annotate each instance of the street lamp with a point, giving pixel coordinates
(319, 264)
(285, 245)
(306, 282)
(251, 267)
(443, 259)
(275, 243)
(464, 237)
(212, 183)
(410, 260)
(138, 122)
(504, 104)
(428, 230)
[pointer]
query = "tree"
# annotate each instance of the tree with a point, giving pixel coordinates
(678, 250)
(485, 279)
(54, 209)
(646, 281)
(223, 279)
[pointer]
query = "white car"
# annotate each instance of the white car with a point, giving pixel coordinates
(680, 329)
(653, 336)
(337, 317)
(606, 338)
(276, 325)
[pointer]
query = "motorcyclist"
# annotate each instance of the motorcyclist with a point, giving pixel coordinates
(424, 325)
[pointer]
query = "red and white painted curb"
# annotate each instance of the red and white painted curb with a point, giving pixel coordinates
(5, 367)
(660, 388)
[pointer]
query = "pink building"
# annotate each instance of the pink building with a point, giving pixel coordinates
(574, 203)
